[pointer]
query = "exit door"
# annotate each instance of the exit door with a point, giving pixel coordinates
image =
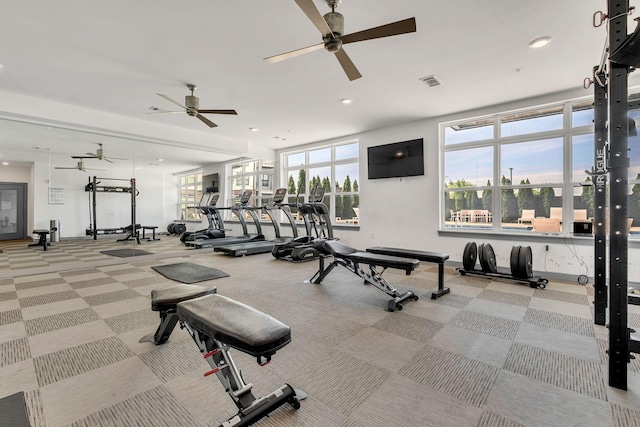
(13, 211)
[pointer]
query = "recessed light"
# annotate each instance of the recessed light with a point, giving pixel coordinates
(254, 129)
(138, 168)
(346, 100)
(161, 160)
(539, 42)
(1, 66)
(5, 163)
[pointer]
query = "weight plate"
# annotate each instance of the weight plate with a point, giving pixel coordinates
(170, 228)
(490, 258)
(525, 262)
(481, 258)
(470, 256)
(513, 261)
(179, 228)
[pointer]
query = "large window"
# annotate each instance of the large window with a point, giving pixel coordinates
(336, 168)
(254, 175)
(504, 171)
(189, 193)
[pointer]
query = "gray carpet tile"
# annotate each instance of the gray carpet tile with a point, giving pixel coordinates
(145, 281)
(57, 366)
(557, 369)
(14, 351)
(48, 298)
(457, 376)
(625, 417)
(489, 419)
(81, 284)
(603, 348)
(34, 408)
(174, 359)
(633, 319)
(341, 381)
(561, 296)
(59, 321)
(453, 300)
(590, 290)
(124, 271)
(6, 296)
(505, 297)
(6, 281)
(39, 283)
(132, 321)
(144, 263)
(486, 324)
(153, 408)
(10, 316)
(110, 297)
(561, 322)
(412, 327)
(471, 281)
(81, 272)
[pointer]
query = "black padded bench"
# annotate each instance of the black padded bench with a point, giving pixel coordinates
(435, 257)
(42, 238)
(216, 324)
(351, 259)
(153, 232)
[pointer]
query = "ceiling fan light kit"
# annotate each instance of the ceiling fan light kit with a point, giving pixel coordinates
(331, 27)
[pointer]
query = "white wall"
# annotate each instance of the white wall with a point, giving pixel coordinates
(155, 203)
(405, 212)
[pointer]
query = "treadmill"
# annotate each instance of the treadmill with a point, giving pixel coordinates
(260, 247)
(240, 209)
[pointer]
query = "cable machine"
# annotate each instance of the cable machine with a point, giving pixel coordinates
(611, 103)
(132, 230)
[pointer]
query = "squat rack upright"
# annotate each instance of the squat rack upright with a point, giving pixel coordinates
(95, 188)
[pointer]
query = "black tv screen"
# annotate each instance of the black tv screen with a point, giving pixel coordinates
(399, 159)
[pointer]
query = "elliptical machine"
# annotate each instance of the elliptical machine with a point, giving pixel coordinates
(317, 221)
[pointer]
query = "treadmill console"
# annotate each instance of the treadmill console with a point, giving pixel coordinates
(246, 196)
(316, 195)
(279, 196)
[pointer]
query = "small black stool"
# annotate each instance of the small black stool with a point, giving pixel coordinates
(42, 240)
(153, 231)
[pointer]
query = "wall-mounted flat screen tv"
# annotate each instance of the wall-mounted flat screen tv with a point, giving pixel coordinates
(399, 159)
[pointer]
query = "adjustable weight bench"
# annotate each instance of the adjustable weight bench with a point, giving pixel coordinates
(435, 257)
(351, 259)
(216, 324)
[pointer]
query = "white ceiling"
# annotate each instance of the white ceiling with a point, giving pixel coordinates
(110, 59)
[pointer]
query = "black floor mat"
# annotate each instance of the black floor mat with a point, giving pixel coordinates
(128, 252)
(13, 411)
(187, 272)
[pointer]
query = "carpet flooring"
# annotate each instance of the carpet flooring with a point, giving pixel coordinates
(490, 353)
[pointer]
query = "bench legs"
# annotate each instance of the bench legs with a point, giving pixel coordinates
(42, 241)
(250, 408)
(441, 288)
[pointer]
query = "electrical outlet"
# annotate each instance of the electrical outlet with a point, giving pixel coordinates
(546, 248)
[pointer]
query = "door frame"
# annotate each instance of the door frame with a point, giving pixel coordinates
(21, 218)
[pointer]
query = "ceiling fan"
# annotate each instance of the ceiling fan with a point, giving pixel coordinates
(331, 26)
(80, 165)
(99, 155)
(192, 107)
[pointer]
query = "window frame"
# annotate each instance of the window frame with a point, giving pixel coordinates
(186, 207)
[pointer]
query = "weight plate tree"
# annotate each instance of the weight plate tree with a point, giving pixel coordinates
(470, 256)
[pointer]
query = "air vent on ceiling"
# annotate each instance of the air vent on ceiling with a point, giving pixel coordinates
(430, 81)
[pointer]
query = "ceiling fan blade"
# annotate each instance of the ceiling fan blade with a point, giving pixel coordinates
(315, 16)
(393, 29)
(167, 112)
(171, 100)
(206, 121)
(347, 65)
(115, 158)
(293, 53)
(61, 167)
(91, 169)
(233, 112)
(106, 160)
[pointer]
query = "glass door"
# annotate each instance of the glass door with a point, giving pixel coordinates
(13, 212)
